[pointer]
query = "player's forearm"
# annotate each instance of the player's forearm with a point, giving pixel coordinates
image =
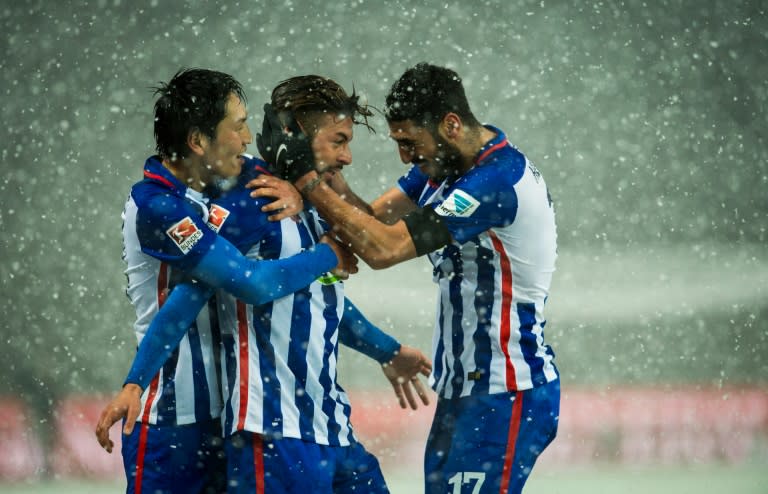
(358, 333)
(259, 282)
(166, 330)
(392, 206)
(339, 184)
(376, 243)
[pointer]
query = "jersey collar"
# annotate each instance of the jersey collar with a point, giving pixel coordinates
(490, 147)
(154, 170)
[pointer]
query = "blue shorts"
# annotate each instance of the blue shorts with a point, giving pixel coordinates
(489, 443)
(183, 459)
(257, 464)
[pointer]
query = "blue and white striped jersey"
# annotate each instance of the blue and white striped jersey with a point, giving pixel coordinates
(494, 277)
(279, 359)
(165, 231)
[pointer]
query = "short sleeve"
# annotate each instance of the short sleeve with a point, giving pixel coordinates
(413, 183)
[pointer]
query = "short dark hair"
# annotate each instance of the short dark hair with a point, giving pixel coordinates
(306, 96)
(194, 99)
(424, 94)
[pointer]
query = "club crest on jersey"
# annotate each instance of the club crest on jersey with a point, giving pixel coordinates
(185, 234)
(216, 217)
(459, 203)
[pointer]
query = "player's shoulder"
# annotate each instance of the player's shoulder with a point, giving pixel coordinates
(237, 200)
(149, 193)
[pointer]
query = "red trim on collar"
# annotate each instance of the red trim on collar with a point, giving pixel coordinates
(491, 149)
(159, 178)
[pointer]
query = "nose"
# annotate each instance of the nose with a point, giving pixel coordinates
(247, 137)
(345, 158)
(406, 156)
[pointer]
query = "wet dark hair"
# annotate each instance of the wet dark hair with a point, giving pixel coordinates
(310, 96)
(424, 94)
(194, 99)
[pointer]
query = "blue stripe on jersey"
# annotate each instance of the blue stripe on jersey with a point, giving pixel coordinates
(228, 344)
(330, 351)
(199, 379)
(213, 315)
(262, 325)
(166, 405)
(297, 360)
(457, 333)
(297, 349)
(438, 366)
(484, 300)
(526, 313)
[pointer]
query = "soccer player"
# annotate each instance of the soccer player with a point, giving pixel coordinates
(482, 213)
(241, 219)
(201, 134)
(287, 420)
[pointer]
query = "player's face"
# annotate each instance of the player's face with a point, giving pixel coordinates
(435, 156)
(223, 156)
(330, 143)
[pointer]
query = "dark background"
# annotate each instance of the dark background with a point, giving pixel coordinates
(647, 119)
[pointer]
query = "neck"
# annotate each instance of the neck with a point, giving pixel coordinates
(186, 172)
(476, 138)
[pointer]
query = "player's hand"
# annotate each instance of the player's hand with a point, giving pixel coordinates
(403, 373)
(127, 404)
(288, 201)
(347, 261)
(287, 149)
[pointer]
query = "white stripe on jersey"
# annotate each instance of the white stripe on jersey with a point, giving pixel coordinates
(521, 257)
(280, 338)
(146, 277)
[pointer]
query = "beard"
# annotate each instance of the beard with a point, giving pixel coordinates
(448, 160)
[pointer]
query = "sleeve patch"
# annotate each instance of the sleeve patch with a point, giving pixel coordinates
(216, 217)
(459, 203)
(185, 234)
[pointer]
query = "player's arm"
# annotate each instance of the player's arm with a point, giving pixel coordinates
(223, 267)
(378, 244)
(401, 364)
(255, 282)
(392, 206)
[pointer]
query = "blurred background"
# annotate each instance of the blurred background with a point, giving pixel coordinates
(647, 119)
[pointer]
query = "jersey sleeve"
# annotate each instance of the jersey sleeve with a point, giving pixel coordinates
(255, 282)
(412, 183)
(477, 204)
(241, 220)
(358, 333)
(171, 230)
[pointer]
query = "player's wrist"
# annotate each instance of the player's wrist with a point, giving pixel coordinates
(131, 387)
(307, 182)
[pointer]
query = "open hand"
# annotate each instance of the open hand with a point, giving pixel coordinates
(403, 373)
(127, 405)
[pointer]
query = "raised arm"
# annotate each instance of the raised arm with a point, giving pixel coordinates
(378, 244)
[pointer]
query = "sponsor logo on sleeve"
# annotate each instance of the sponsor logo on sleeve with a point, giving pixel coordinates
(459, 203)
(216, 217)
(185, 234)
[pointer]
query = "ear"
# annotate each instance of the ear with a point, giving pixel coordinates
(197, 142)
(451, 125)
